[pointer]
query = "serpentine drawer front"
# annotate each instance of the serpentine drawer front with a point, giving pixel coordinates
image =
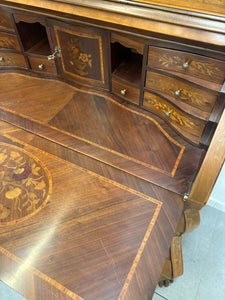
(183, 93)
(187, 63)
(180, 120)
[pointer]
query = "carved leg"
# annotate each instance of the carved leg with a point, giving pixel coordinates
(173, 266)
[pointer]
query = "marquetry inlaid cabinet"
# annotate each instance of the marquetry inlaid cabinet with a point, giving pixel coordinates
(131, 64)
(178, 82)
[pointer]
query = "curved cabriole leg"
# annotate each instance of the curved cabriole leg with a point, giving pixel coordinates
(173, 266)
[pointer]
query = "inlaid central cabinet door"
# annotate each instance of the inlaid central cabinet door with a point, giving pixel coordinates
(84, 53)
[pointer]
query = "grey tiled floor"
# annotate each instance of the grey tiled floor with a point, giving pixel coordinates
(7, 293)
(204, 264)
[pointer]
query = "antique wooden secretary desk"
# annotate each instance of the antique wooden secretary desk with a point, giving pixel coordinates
(112, 137)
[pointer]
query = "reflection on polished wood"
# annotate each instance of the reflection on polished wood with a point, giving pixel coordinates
(84, 245)
(105, 229)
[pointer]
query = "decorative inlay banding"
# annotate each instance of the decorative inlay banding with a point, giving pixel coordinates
(25, 184)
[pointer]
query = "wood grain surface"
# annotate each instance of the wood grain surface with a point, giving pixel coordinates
(128, 14)
(102, 128)
(93, 238)
(217, 7)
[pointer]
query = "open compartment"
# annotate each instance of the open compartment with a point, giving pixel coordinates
(34, 38)
(126, 64)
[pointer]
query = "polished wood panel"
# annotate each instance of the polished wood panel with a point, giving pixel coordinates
(9, 41)
(128, 42)
(6, 20)
(90, 228)
(136, 18)
(102, 128)
(41, 108)
(217, 7)
(12, 59)
(214, 162)
(126, 91)
(42, 65)
(83, 55)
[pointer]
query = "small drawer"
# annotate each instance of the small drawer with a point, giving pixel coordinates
(181, 91)
(43, 65)
(5, 20)
(179, 119)
(12, 59)
(186, 63)
(125, 91)
(9, 41)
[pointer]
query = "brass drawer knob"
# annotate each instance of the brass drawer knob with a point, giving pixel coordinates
(177, 93)
(41, 67)
(1, 59)
(168, 113)
(123, 92)
(185, 65)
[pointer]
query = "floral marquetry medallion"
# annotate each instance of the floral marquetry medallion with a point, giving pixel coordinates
(25, 184)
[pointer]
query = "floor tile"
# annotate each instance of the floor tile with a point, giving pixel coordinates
(6, 293)
(158, 297)
(204, 261)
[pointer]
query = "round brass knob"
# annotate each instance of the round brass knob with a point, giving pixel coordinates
(41, 67)
(168, 113)
(185, 65)
(177, 93)
(123, 92)
(1, 59)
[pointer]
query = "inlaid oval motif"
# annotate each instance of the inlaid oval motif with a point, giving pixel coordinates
(25, 184)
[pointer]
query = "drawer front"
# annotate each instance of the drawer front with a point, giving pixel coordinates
(5, 21)
(9, 41)
(12, 59)
(178, 118)
(181, 91)
(125, 91)
(187, 63)
(43, 65)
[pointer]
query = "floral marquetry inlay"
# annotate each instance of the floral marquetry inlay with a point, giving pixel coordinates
(79, 60)
(203, 68)
(171, 113)
(82, 55)
(7, 43)
(24, 184)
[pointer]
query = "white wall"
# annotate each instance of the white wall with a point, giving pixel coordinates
(217, 197)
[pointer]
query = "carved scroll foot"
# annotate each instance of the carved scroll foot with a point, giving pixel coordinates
(173, 266)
